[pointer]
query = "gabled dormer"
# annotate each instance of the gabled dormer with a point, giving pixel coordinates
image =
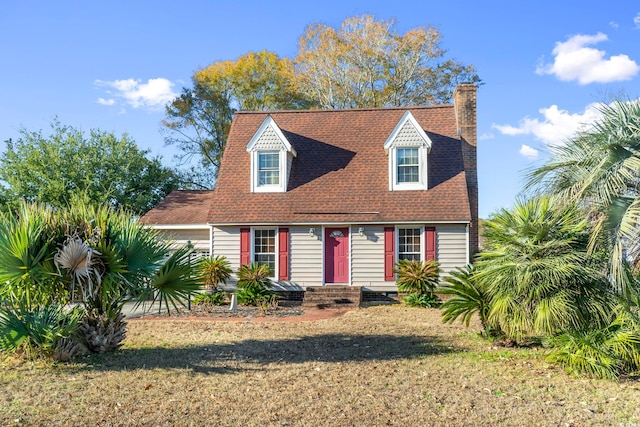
(271, 158)
(407, 148)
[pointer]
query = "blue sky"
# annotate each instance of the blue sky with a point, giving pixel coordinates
(113, 64)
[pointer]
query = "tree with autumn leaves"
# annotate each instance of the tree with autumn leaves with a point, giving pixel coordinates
(364, 63)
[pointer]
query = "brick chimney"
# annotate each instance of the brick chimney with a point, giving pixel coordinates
(464, 101)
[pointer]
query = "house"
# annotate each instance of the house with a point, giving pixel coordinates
(338, 196)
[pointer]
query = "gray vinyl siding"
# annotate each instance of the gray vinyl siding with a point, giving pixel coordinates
(367, 255)
(452, 246)
(226, 242)
(305, 256)
(199, 237)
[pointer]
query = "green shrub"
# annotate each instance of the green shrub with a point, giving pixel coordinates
(468, 297)
(216, 298)
(417, 277)
(422, 300)
(37, 331)
(214, 271)
(253, 283)
(605, 352)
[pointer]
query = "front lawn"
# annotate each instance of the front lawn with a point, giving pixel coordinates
(377, 366)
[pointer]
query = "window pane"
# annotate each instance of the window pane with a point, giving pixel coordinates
(409, 243)
(264, 248)
(408, 165)
(269, 168)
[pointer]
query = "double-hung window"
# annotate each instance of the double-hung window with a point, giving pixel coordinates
(409, 243)
(268, 168)
(408, 165)
(264, 247)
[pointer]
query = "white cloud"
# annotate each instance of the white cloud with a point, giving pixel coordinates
(103, 101)
(555, 126)
(636, 20)
(153, 95)
(485, 136)
(614, 25)
(573, 60)
(529, 152)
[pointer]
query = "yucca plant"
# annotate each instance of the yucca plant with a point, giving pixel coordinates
(254, 282)
(468, 298)
(417, 278)
(214, 271)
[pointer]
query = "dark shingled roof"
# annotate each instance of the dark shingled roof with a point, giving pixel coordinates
(341, 173)
(181, 207)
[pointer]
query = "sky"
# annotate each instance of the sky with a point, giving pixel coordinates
(113, 65)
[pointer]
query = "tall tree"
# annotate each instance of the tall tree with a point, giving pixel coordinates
(198, 121)
(366, 63)
(600, 169)
(102, 167)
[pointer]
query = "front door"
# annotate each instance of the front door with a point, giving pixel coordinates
(336, 250)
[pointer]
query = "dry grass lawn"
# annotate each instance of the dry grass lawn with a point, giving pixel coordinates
(378, 366)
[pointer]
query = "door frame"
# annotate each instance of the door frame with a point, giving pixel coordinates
(325, 230)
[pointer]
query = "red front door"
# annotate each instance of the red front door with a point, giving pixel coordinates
(336, 249)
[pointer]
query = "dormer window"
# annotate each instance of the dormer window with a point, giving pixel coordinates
(407, 148)
(408, 165)
(271, 158)
(268, 168)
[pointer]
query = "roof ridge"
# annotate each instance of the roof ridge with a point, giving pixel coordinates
(342, 110)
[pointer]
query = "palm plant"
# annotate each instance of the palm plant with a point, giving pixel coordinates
(468, 297)
(538, 273)
(254, 282)
(600, 169)
(417, 277)
(214, 271)
(105, 254)
(605, 352)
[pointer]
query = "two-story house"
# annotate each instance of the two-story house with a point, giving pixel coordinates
(338, 196)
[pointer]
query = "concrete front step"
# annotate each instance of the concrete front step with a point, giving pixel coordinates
(332, 297)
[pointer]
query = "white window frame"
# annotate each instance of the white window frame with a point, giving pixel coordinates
(397, 240)
(255, 173)
(422, 170)
(276, 247)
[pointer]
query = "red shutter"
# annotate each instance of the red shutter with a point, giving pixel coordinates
(245, 246)
(283, 254)
(430, 243)
(389, 253)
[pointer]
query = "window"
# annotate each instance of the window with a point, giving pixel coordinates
(268, 168)
(409, 243)
(408, 165)
(264, 248)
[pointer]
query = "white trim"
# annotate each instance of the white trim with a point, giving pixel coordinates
(324, 243)
(252, 244)
(335, 224)
(391, 149)
(285, 151)
(269, 122)
(180, 226)
(467, 244)
(211, 241)
(407, 117)
(423, 172)
(396, 243)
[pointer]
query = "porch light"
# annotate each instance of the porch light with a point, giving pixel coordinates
(312, 232)
(361, 231)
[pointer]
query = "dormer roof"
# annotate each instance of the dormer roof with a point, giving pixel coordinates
(270, 137)
(408, 133)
